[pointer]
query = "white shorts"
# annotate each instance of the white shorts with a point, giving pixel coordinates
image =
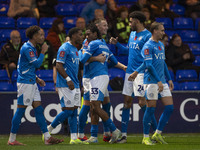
(86, 87)
(69, 98)
(134, 88)
(99, 87)
(27, 93)
(151, 91)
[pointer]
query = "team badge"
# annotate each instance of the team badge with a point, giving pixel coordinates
(62, 54)
(146, 52)
(31, 53)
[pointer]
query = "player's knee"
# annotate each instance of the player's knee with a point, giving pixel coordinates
(127, 104)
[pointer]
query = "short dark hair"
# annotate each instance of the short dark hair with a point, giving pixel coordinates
(99, 20)
(154, 26)
(73, 31)
(31, 31)
(93, 28)
(138, 15)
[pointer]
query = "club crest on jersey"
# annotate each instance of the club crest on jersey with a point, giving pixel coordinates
(146, 52)
(31, 54)
(62, 54)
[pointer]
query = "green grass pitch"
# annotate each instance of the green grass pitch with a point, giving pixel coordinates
(176, 142)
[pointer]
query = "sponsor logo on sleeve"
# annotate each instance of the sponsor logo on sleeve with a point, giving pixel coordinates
(146, 52)
(31, 53)
(62, 54)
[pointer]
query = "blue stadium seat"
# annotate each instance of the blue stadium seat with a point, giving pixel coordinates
(186, 75)
(64, 9)
(115, 72)
(109, 88)
(127, 1)
(178, 9)
(46, 75)
(195, 48)
(197, 61)
(5, 35)
(183, 23)
(81, 1)
(7, 22)
(25, 22)
(49, 87)
(69, 22)
(4, 1)
(123, 59)
(23, 35)
(14, 75)
(172, 75)
(170, 33)
(176, 86)
(4, 9)
(112, 48)
(65, 1)
(46, 23)
(6, 86)
(80, 7)
(189, 36)
(189, 86)
(167, 22)
(197, 23)
(4, 75)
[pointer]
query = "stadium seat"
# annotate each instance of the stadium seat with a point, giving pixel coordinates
(7, 22)
(186, 75)
(46, 75)
(5, 35)
(4, 75)
(23, 35)
(189, 86)
(109, 88)
(170, 33)
(197, 61)
(81, 1)
(49, 87)
(64, 9)
(190, 36)
(14, 76)
(197, 24)
(115, 72)
(167, 22)
(46, 23)
(3, 9)
(178, 9)
(127, 1)
(195, 48)
(123, 59)
(176, 86)
(69, 22)
(65, 1)
(172, 75)
(112, 48)
(25, 22)
(183, 23)
(6, 86)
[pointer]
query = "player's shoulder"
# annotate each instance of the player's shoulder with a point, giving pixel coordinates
(64, 47)
(26, 47)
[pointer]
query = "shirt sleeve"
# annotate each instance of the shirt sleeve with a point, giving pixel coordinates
(62, 54)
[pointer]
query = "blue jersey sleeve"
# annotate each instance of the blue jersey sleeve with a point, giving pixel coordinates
(141, 68)
(61, 55)
(32, 58)
(123, 49)
(113, 60)
(167, 72)
(147, 54)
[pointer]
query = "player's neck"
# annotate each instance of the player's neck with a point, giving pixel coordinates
(140, 28)
(33, 42)
(154, 39)
(73, 43)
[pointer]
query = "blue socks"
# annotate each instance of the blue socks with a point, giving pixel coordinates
(147, 119)
(153, 121)
(109, 123)
(125, 119)
(106, 108)
(61, 117)
(165, 117)
(94, 130)
(16, 120)
(40, 119)
(73, 122)
(83, 115)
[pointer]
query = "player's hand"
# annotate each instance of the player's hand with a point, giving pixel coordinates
(113, 40)
(40, 82)
(101, 58)
(124, 68)
(67, 39)
(71, 85)
(160, 86)
(171, 85)
(133, 76)
(44, 48)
